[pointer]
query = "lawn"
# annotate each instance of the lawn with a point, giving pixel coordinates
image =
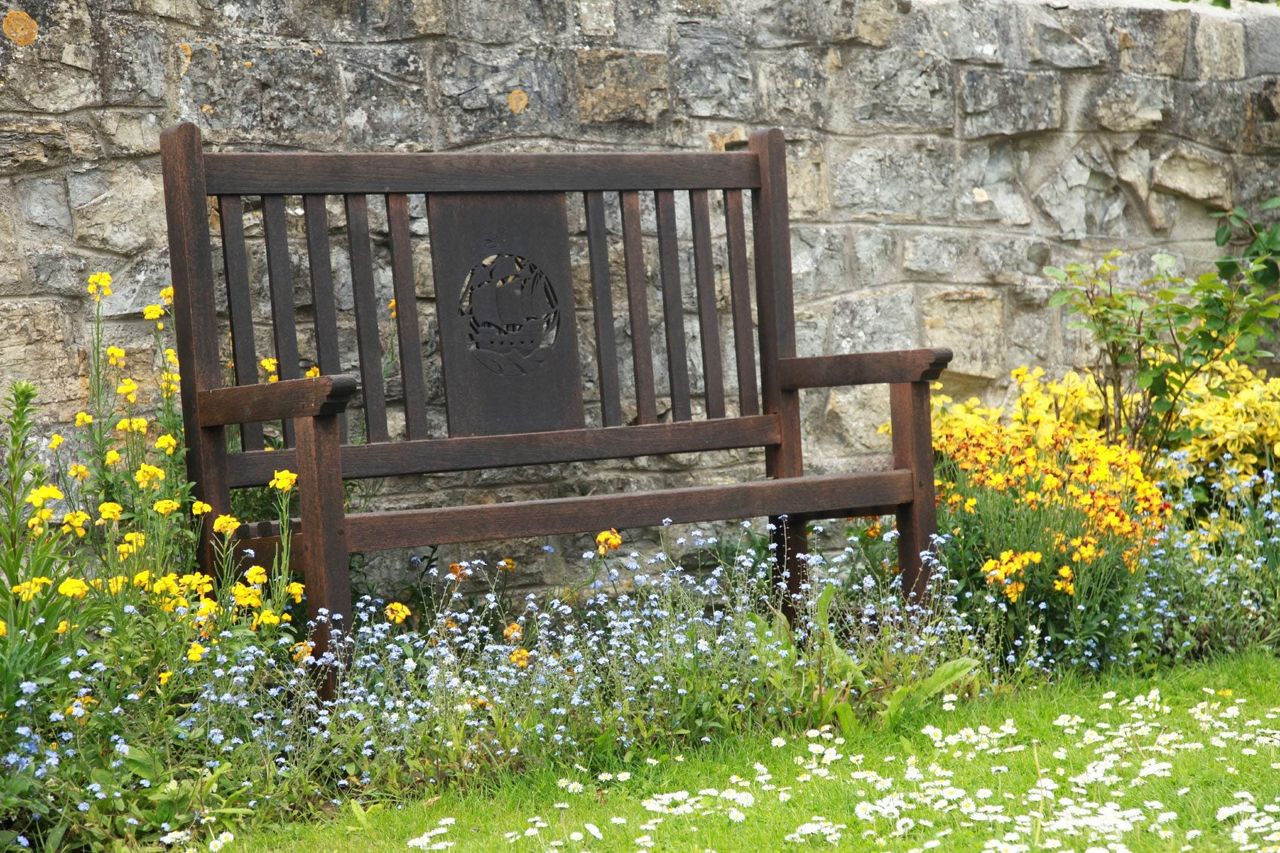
(1183, 760)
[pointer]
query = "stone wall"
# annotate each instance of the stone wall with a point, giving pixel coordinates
(940, 153)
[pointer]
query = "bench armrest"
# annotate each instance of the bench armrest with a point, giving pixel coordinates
(291, 398)
(864, 368)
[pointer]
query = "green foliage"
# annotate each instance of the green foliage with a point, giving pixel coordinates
(1258, 245)
(1154, 338)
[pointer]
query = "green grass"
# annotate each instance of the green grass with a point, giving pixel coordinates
(1199, 781)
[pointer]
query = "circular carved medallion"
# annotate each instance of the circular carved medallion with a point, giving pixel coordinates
(512, 314)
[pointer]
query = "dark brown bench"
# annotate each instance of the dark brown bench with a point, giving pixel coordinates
(513, 369)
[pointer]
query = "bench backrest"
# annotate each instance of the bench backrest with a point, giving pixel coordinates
(519, 346)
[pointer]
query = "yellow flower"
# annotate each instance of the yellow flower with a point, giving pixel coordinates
(266, 616)
(313, 371)
(391, 306)
(166, 295)
(256, 575)
(153, 312)
(75, 521)
(459, 572)
(507, 564)
(4, 628)
(397, 612)
(302, 651)
(283, 480)
(112, 458)
(78, 471)
(170, 357)
(295, 590)
(148, 476)
(41, 495)
(197, 582)
(115, 356)
(196, 653)
(513, 633)
(607, 540)
(55, 441)
(128, 389)
(165, 506)
(225, 524)
(28, 590)
(167, 443)
(520, 657)
(200, 508)
(99, 285)
(165, 676)
(109, 511)
(142, 579)
(73, 588)
(169, 384)
(246, 596)
(270, 366)
(83, 419)
(117, 583)
(63, 626)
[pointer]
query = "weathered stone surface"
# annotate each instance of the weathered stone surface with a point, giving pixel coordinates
(974, 32)
(1219, 48)
(1194, 174)
(881, 318)
(136, 75)
(1262, 117)
(994, 102)
(13, 272)
(1151, 41)
(1124, 103)
(892, 89)
(1262, 44)
(595, 18)
(794, 86)
(806, 178)
(711, 73)
(493, 92)
(874, 253)
(615, 85)
(38, 344)
(398, 19)
(131, 134)
(1210, 112)
(30, 144)
(988, 185)
(1082, 196)
(386, 104)
(54, 71)
(970, 321)
(1064, 38)
(900, 178)
(250, 93)
(933, 255)
(42, 203)
(513, 22)
(118, 211)
(1013, 260)
(819, 263)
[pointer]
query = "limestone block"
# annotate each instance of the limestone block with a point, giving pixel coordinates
(1082, 196)
(119, 211)
(386, 103)
(988, 185)
(38, 344)
(970, 321)
(136, 285)
(819, 264)
(842, 425)
(30, 144)
(1064, 38)
(1219, 48)
(1008, 102)
(933, 255)
(511, 22)
(50, 66)
(1122, 103)
(795, 86)
(134, 75)
(1195, 174)
(42, 203)
(892, 89)
(131, 134)
(188, 11)
(973, 32)
(1262, 117)
(1262, 44)
(1013, 260)
(259, 93)
(711, 73)
(806, 178)
(490, 92)
(871, 319)
(1211, 112)
(1151, 40)
(13, 271)
(900, 178)
(399, 19)
(626, 86)
(874, 255)
(595, 18)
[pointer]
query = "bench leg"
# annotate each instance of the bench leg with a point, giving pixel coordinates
(913, 449)
(324, 541)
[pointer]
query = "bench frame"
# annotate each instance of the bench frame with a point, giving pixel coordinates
(312, 409)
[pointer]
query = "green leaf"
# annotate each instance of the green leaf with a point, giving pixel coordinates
(1223, 234)
(1056, 274)
(1270, 204)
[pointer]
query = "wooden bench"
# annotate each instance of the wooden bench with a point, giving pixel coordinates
(513, 368)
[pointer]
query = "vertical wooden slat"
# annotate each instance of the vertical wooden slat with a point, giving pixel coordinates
(638, 307)
(323, 301)
(407, 331)
(194, 310)
(913, 449)
(777, 336)
(672, 306)
(284, 324)
(602, 309)
(709, 322)
(367, 340)
(740, 292)
(235, 263)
